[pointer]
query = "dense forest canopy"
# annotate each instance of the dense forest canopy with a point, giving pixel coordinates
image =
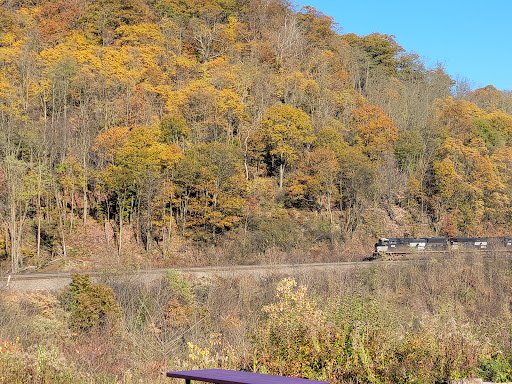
(243, 122)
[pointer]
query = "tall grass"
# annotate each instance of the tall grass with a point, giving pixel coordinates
(425, 321)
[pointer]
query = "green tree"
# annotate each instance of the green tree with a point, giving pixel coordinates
(210, 189)
(136, 164)
(92, 306)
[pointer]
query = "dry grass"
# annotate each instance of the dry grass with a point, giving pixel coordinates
(434, 320)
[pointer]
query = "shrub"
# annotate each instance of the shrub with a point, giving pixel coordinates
(292, 340)
(40, 365)
(92, 306)
(496, 367)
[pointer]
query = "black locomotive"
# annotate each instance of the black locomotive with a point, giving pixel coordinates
(403, 246)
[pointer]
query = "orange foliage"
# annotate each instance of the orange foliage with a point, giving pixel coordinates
(455, 117)
(57, 20)
(376, 132)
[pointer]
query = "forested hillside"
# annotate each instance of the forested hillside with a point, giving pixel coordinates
(244, 130)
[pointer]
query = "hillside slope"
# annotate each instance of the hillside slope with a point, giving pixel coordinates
(199, 132)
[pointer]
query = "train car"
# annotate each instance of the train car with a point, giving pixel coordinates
(406, 246)
(468, 243)
(499, 243)
(400, 245)
(410, 245)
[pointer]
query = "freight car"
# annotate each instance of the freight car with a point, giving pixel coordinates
(406, 246)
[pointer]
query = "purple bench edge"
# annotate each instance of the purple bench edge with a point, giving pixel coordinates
(224, 376)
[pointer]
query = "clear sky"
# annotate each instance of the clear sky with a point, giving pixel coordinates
(472, 39)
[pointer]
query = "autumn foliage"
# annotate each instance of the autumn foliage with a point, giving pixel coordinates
(173, 126)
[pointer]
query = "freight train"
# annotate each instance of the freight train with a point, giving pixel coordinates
(405, 246)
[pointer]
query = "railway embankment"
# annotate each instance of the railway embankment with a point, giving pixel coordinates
(30, 282)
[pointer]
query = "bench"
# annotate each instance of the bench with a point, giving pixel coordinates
(223, 376)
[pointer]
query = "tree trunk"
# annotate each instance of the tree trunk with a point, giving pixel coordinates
(39, 213)
(85, 205)
(72, 219)
(13, 236)
(120, 236)
(61, 211)
(329, 209)
(107, 219)
(138, 229)
(281, 175)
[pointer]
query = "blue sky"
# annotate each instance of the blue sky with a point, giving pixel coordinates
(472, 39)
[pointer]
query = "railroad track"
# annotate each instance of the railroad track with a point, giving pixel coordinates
(48, 281)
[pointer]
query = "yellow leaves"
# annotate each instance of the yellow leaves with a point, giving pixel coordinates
(453, 145)
(349, 99)
(170, 154)
(298, 90)
(229, 103)
(230, 31)
(472, 183)
(7, 90)
(458, 109)
(290, 298)
(186, 63)
(315, 179)
(11, 51)
(488, 97)
(287, 130)
(466, 170)
(196, 352)
(294, 331)
(142, 152)
(71, 174)
(218, 353)
(142, 46)
(138, 57)
(221, 221)
(10, 100)
(140, 34)
(211, 183)
(447, 178)
(110, 141)
(455, 117)
(502, 122)
(75, 45)
(176, 103)
(13, 27)
(502, 161)
(10, 39)
(466, 121)
(231, 204)
(206, 109)
(376, 132)
(135, 158)
(221, 73)
(414, 186)
(119, 64)
(297, 188)
(219, 63)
